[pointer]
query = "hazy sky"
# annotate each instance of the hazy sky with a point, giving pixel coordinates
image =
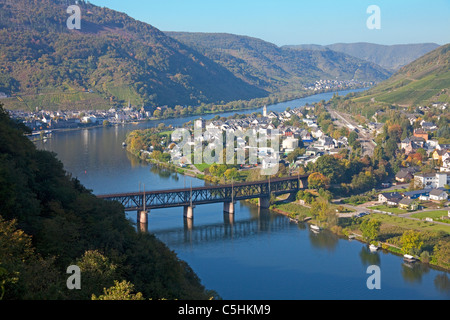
(285, 22)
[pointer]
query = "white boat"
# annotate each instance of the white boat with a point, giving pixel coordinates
(315, 228)
(373, 247)
(409, 258)
(293, 220)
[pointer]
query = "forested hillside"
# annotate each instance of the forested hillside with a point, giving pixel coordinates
(49, 221)
(111, 60)
(275, 69)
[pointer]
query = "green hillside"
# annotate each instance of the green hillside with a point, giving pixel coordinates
(423, 81)
(275, 69)
(110, 60)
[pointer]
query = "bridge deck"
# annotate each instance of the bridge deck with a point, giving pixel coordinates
(206, 194)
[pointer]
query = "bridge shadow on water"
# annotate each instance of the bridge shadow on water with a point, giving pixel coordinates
(261, 221)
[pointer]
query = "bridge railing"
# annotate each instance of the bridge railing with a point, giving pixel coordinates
(207, 194)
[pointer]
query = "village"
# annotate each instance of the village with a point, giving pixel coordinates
(308, 142)
(306, 135)
(44, 120)
(325, 84)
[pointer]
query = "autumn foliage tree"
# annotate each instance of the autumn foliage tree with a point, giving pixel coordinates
(317, 180)
(411, 242)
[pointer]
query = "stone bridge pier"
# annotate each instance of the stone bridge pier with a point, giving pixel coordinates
(142, 220)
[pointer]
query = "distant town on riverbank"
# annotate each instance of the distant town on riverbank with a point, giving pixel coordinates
(42, 119)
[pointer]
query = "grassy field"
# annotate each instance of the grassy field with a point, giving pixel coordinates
(166, 133)
(435, 214)
(294, 209)
(388, 209)
(201, 167)
(410, 223)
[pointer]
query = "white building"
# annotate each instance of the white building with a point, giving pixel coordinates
(431, 180)
(289, 144)
(438, 195)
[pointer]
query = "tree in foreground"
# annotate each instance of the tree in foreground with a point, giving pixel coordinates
(120, 291)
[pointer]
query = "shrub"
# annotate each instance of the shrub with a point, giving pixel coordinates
(425, 257)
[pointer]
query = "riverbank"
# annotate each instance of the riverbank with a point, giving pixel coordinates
(349, 228)
(208, 113)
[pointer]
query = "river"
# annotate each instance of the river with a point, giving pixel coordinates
(258, 254)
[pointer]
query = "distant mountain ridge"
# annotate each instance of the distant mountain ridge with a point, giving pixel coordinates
(390, 57)
(274, 68)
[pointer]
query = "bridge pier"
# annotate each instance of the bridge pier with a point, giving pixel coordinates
(228, 207)
(303, 183)
(142, 220)
(264, 202)
(188, 212)
(188, 223)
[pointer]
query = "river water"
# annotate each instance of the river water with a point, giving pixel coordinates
(258, 254)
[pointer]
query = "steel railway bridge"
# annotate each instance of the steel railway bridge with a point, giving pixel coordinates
(188, 198)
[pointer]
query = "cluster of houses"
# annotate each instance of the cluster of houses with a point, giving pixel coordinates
(432, 185)
(420, 140)
(325, 84)
(410, 200)
(432, 188)
(49, 120)
(309, 136)
(438, 179)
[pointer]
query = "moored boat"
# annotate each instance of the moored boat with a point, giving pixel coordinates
(409, 258)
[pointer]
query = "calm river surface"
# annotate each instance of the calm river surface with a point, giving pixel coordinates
(259, 254)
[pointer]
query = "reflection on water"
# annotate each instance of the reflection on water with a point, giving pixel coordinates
(134, 161)
(229, 229)
(323, 240)
(413, 272)
(442, 283)
(368, 257)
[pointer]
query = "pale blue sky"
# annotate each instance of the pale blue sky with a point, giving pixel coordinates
(285, 22)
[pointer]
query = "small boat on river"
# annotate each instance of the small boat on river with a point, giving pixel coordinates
(409, 258)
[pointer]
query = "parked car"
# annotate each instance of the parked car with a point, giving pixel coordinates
(361, 214)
